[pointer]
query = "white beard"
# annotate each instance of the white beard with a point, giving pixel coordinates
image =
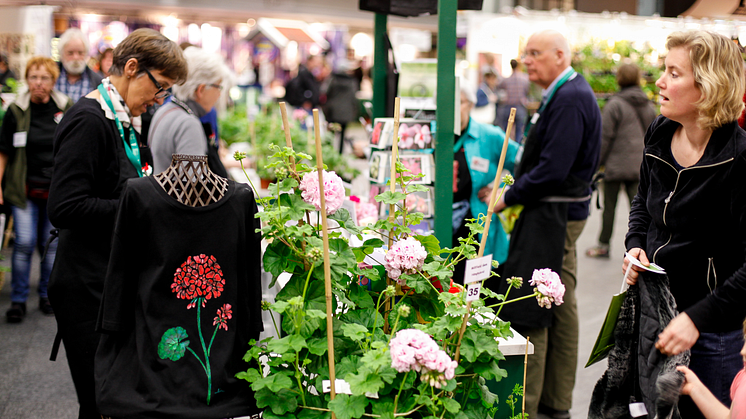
(74, 67)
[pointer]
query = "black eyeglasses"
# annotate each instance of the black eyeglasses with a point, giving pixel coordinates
(161, 93)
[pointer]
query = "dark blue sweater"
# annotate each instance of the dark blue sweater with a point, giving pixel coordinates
(569, 131)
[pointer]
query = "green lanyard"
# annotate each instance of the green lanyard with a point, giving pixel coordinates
(545, 102)
(132, 149)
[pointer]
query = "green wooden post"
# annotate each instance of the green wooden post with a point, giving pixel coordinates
(380, 58)
(447, 10)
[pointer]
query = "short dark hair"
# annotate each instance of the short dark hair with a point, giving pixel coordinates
(628, 75)
(4, 58)
(153, 51)
(514, 64)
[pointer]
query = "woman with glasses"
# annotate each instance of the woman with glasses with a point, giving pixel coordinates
(96, 149)
(26, 171)
(176, 126)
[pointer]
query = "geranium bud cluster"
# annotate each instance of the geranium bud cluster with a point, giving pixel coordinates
(549, 286)
(281, 172)
(413, 349)
(515, 281)
(334, 190)
(239, 155)
(405, 256)
(315, 254)
(508, 179)
(404, 310)
(265, 305)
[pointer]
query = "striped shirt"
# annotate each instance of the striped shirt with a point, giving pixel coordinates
(516, 87)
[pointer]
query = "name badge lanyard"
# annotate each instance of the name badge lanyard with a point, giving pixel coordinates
(131, 149)
(570, 74)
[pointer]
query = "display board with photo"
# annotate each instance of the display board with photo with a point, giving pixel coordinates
(414, 134)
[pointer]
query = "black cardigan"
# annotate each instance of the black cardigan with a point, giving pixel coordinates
(692, 222)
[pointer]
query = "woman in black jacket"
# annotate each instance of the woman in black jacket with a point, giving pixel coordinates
(96, 149)
(689, 215)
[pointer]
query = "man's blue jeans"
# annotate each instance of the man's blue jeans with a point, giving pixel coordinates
(32, 230)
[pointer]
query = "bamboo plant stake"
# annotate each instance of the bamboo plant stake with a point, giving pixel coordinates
(392, 207)
(525, 367)
(286, 127)
(490, 211)
(327, 266)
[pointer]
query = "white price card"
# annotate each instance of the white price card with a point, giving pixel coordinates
(19, 139)
(472, 291)
(477, 269)
(637, 409)
(342, 387)
(652, 267)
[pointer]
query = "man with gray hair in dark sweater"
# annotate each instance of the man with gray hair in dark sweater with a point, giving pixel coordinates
(553, 178)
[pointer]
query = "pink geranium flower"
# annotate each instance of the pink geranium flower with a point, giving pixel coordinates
(334, 190)
(549, 286)
(413, 349)
(405, 256)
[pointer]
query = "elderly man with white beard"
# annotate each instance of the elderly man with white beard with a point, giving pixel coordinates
(76, 79)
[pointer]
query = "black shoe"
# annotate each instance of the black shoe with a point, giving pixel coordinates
(16, 313)
(45, 306)
(548, 412)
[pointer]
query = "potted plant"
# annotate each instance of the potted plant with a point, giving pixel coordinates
(400, 351)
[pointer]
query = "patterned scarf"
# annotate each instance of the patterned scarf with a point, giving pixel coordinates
(121, 108)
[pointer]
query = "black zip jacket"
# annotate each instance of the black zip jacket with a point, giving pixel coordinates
(692, 222)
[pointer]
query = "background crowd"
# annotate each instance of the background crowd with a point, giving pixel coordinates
(681, 172)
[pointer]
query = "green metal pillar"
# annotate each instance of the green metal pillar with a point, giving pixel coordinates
(380, 59)
(447, 10)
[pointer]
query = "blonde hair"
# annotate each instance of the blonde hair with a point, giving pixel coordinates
(45, 63)
(718, 73)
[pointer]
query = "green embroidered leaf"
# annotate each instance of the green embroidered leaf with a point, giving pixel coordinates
(281, 402)
(389, 197)
(173, 344)
(348, 407)
(354, 331)
(274, 383)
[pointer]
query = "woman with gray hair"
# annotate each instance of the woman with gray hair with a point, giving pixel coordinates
(176, 128)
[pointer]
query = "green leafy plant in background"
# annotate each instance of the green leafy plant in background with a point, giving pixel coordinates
(367, 322)
(268, 130)
(597, 61)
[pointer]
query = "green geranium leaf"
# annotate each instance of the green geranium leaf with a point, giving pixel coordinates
(437, 269)
(364, 317)
(277, 258)
(288, 343)
(250, 375)
(417, 188)
(490, 371)
(349, 364)
(387, 374)
(268, 414)
(364, 381)
(316, 314)
(376, 359)
(294, 206)
(317, 346)
(348, 407)
(385, 408)
(313, 414)
(360, 296)
(280, 306)
(389, 197)
(274, 383)
(354, 331)
(173, 344)
(451, 405)
(281, 402)
(430, 243)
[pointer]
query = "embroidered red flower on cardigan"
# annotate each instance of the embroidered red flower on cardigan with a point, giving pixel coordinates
(199, 278)
(224, 314)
